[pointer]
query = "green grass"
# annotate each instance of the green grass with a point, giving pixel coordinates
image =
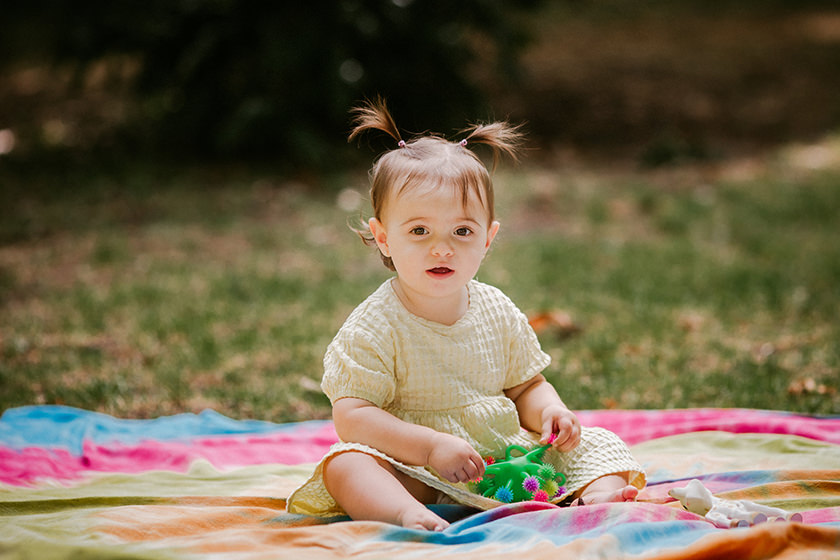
(147, 292)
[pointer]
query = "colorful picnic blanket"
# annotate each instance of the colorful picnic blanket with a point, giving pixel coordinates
(75, 483)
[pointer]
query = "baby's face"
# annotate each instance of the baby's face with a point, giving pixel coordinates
(436, 241)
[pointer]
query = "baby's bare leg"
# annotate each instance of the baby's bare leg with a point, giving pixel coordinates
(370, 489)
(609, 488)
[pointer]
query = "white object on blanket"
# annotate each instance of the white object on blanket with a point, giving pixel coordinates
(696, 498)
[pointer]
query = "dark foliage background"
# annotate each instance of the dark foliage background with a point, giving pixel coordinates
(252, 79)
(199, 81)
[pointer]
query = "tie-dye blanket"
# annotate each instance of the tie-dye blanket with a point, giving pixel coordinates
(80, 484)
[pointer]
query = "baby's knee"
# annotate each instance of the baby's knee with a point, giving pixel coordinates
(348, 465)
(356, 468)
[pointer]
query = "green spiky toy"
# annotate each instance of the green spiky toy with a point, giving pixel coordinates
(521, 478)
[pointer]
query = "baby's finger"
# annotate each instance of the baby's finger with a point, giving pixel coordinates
(568, 444)
(549, 432)
(479, 466)
(464, 475)
(453, 476)
(568, 436)
(470, 471)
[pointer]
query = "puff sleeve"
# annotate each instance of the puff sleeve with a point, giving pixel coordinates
(525, 357)
(356, 365)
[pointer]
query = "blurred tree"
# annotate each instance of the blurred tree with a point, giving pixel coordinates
(228, 78)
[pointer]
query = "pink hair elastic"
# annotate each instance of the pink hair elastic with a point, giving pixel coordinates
(401, 143)
(463, 142)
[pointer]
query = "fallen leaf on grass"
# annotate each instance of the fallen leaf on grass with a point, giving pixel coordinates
(555, 322)
(609, 403)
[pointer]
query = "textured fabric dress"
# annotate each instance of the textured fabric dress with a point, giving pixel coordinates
(450, 378)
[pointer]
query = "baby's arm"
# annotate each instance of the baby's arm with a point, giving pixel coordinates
(541, 410)
(360, 421)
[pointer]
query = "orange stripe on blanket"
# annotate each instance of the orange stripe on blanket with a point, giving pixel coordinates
(779, 541)
(791, 491)
(187, 516)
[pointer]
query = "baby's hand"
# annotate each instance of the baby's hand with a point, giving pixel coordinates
(455, 459)
(560, 421)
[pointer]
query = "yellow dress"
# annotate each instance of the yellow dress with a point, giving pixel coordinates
(450, 378)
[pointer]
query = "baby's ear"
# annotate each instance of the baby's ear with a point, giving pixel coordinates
(379, 235)
(491, 233)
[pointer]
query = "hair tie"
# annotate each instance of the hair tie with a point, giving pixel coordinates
(401, 143)
(463, 142)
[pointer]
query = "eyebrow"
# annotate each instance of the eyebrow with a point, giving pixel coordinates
(424, 218)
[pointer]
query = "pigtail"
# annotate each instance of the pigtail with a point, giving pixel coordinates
(502, 137)
(374, 115)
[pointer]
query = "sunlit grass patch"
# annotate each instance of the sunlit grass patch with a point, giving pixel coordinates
(684, 287)
(717, 293)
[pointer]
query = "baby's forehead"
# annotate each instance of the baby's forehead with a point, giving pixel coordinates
(466, 197)
(467, 193)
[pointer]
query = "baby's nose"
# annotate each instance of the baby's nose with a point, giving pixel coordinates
(442, 247)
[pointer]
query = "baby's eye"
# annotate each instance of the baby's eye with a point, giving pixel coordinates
(463, 231)
(419, 230)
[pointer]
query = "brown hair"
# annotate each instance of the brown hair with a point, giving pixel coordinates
(431, 159)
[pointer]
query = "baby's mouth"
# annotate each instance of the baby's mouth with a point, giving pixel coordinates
(440, 271)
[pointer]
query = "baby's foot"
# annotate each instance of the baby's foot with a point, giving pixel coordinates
(423, 519)
(626, 494)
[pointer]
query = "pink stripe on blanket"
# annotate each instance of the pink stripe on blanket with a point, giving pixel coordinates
(295, 446)
(30, 464)
(636, 426)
